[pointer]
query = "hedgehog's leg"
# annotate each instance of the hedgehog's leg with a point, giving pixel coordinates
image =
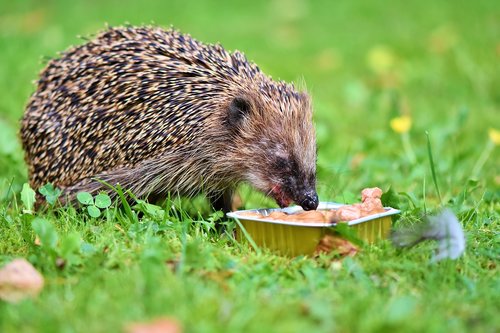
(222, 201)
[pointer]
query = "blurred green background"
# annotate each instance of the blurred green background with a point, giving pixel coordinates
(363, 62)
(367, 64)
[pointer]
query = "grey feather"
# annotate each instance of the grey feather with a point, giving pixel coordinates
(443, 228)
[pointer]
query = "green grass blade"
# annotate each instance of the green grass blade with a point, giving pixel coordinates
(126, 206)
(248, 237)
(433, 169)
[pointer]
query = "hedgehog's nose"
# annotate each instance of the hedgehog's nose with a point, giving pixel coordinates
(310, 201)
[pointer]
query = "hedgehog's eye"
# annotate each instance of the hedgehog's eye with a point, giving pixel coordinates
(281, 163)
(238, 109)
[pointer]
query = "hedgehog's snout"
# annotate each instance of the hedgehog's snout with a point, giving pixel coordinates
(305, 196)
(309, 200)
(292, 181)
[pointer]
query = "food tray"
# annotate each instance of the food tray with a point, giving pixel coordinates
(301, 238)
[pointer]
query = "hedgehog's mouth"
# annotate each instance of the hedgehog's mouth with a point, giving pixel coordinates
(307, 199)
(282, 199)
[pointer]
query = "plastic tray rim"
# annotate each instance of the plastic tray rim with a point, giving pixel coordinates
(322, 205)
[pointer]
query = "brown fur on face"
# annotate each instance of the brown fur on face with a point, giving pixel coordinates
(157, 112)
(275, 143)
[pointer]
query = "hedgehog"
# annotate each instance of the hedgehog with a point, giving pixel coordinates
(161, 113)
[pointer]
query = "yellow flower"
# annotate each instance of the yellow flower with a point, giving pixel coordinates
(401, 124)
(494, 135)
(380, 59)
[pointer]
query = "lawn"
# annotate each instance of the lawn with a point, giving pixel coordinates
(367, 65)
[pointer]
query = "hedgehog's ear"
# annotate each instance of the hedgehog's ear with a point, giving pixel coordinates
(238, 109)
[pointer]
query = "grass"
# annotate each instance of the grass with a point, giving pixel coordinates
(365, 63)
